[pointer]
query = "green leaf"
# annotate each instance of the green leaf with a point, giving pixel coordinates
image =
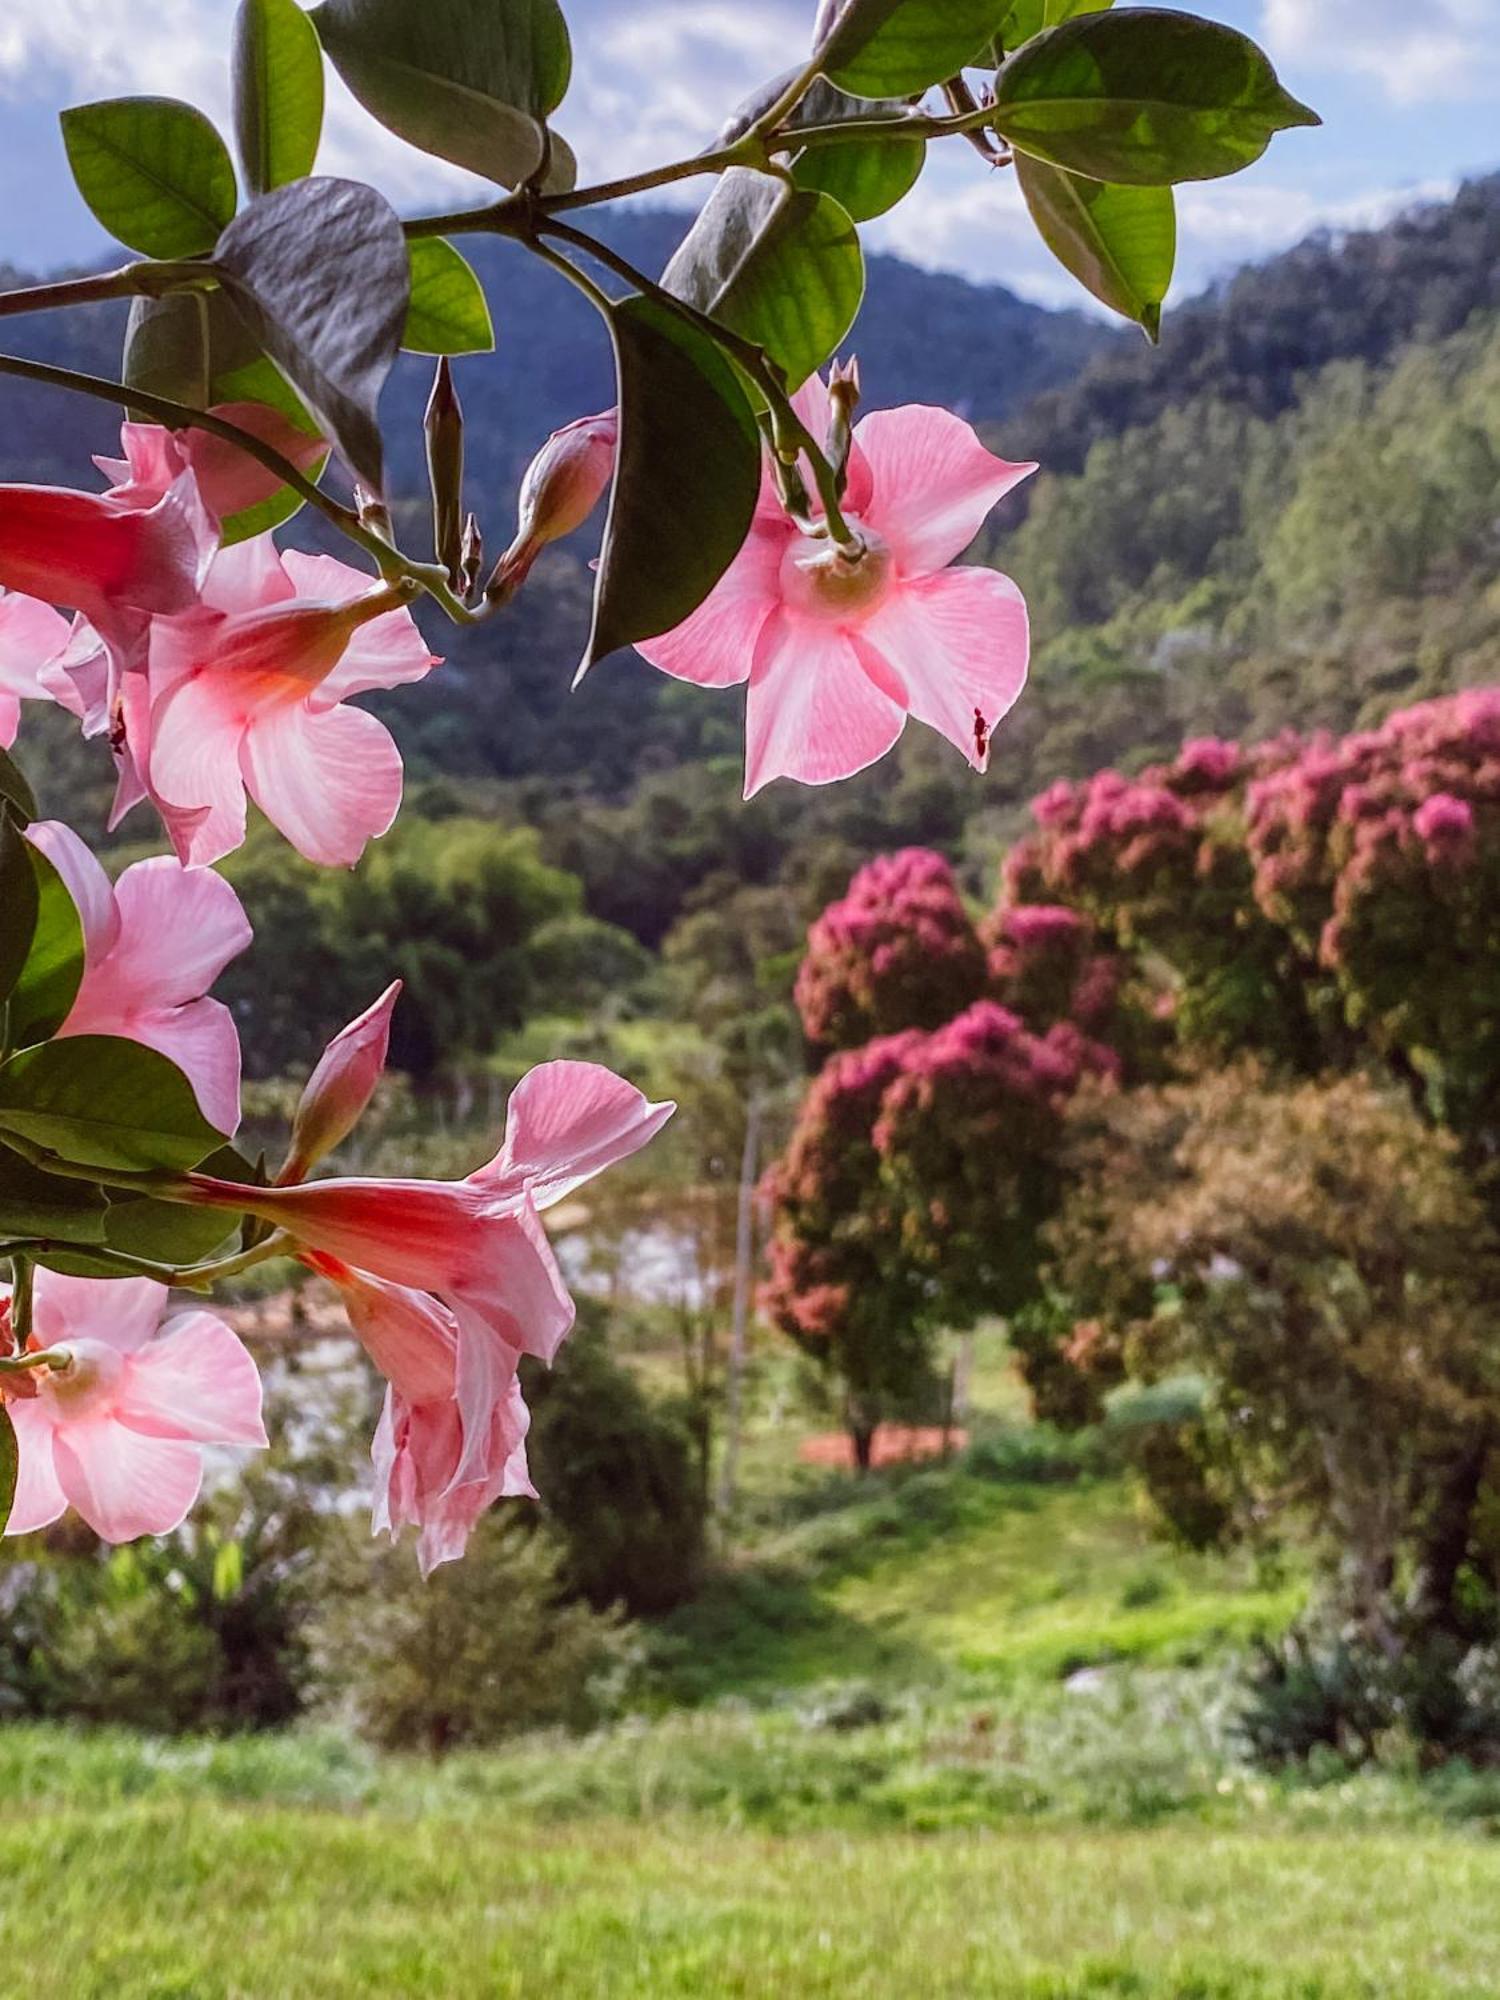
(16, 794)
(53, 971)
(1028, 17)
(18, 903)
(278, 92)
(171, 1232)
(687, 476)
(1119, 242)
(448, 313)
(781, 266)
(154, 172)
(10, 1467)
(472, 81)
(197, 350)
(100, 1101)
(35, 1204)
(865, 177)
(318, 271)
(893, 48)
(1144, 97)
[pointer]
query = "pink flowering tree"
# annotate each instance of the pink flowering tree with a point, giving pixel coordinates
(760, 531)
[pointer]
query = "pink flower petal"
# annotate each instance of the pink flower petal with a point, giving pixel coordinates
(412, 1339)
(39, 1499)
(10, 719)
(813, 711)
(566, 1122)
(196, 1382)
(715, 647)
(122, 1483)
(330, 782)
(932, 483)
(121, 1312)
(248, 577)
(388, 652)
(86, 883)
(193, 768)
(959, 642)
(31, 635)
(179, 928)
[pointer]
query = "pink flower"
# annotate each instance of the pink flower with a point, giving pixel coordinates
(119, 1432)
(154, 942)
(246, 693)
(340, 1087)
(448, 1283)
(838, 654)
(112, 556)
(563, 485)
(229, 480)
(32, 635)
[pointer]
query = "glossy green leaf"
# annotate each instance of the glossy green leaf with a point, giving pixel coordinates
(318, 272)
(865, 177)
(18, 903)
(50, 978)
(16, 794)
(449, 313)
(778, 265)
(1119, 242)
(1028, 17)
(10, 1467)
(686, 479)
(154, 172)
(100, 1101)
(278, 92)
(472, 81)
(893, 48)
(169, 1232)
(34, 1204)
(1144, 97)
(197, 350)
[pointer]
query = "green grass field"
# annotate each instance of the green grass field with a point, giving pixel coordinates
(965, 1732)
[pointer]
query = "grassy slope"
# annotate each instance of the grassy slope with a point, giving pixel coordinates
(899, 1797)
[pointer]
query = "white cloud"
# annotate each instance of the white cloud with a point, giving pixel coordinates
(1444, 51)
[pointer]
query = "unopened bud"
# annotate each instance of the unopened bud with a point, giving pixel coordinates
(471, 557)
(563, 485)
(843, 401)
(444, 428)
(340, 1088)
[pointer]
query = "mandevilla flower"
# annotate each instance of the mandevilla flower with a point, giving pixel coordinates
(154, 942)
(112, 556)
(117, 1430)
(838, 653)
(246, 693)
(229, 480)
(448, 1283)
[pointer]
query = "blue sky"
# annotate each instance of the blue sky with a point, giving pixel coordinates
(1410, 96)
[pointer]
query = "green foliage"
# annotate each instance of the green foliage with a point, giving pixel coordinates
(19, 899)
(10, 1465)
(448, 313)
(1144, 96)
(1121, 242)
(686, 478)
(878, 49)
(319, 274)
(468, 80)
(778, 265)
(100, 1101)
(618, 1477)
(278, 92)
(480, 1650)
(154, 172)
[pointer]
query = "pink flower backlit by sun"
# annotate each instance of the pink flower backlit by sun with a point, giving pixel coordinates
(838, 654)
(247, 693)
(32, 635)
(154, 942)
(119, 1432)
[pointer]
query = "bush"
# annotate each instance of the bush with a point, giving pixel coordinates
(619, 1479)
(1311, 1693)
(483, 1649)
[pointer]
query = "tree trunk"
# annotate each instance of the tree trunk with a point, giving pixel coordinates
(739, 1323)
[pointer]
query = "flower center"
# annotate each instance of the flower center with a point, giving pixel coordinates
(820, 581)
(89, 1382)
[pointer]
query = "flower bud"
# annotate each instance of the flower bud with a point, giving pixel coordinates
(562, 487)
(443, 426)
(340, 1087)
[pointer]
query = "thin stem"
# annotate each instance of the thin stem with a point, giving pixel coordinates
(22, 1364)
(149, 279)
(908, 125)
(790, 429)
